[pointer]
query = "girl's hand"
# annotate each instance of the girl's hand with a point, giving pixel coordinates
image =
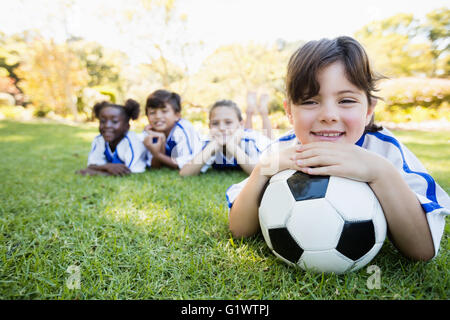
(232, 143)
(277, 160)
(214, 145)
(92, 172)
(117, 169)
(218, 137)
(337, 159)
(234, 140)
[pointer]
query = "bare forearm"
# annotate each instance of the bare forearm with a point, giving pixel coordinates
(95, 167)
(244, 161)
(194, 166)
(248, 168)
(165, 160)
(191, 169)
(93, 171)
(155, 163)
(242, 158)
(244, 212)
(405, 217)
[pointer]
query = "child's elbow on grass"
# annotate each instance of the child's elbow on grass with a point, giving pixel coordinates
(424, 256)
(185, 172)
(239, 231)
(236, 233)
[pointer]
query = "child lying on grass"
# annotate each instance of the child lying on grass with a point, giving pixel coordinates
(116, 151)
(229, 145)
(171, 141)
(330, 104)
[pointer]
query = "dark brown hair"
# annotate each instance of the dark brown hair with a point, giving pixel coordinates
(229, 104)
(308, 60)
(159, 98)
(130, 109)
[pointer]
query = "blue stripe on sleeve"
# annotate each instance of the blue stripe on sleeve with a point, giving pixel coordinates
(360, 142)
(187, 137)
(431, 206)
(287, 138)
(254, 143)
(95, 144)
(132, 151)
(228, 199)
(205, 144)
(431, 184)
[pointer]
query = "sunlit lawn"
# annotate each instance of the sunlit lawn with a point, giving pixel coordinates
(158, 236)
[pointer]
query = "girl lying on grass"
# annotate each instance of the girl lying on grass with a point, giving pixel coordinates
(330, 104)
(116, 151)
(229, 145)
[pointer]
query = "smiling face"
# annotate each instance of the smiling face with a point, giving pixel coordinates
(224, 120)
(338, 113)
(162, 119)
(113, 125)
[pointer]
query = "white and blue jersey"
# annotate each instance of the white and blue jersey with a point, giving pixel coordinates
(182, 143)
(130, 151)
(253, 143)
(433, 199)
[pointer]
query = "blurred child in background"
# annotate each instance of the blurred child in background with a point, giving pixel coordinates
(116, 151)
(171, 141)
(229, 145)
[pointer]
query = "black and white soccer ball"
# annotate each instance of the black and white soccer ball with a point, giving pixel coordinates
(321, 223)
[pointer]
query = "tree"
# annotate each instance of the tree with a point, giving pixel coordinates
(104, 66)
(52, 76)
(391, 48)
(437, 29)
(11, 50)
(401, 46)
(234, 69)
(159, 34)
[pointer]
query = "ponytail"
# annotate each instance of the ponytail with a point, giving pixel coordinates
(132, 109)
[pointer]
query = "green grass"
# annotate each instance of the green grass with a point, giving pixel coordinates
(158, 236)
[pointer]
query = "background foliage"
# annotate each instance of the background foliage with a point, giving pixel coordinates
(66, 79)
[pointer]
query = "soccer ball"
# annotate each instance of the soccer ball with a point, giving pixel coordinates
(321, 223)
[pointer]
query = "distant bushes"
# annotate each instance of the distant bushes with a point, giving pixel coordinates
(414, 99)
(409, 92)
